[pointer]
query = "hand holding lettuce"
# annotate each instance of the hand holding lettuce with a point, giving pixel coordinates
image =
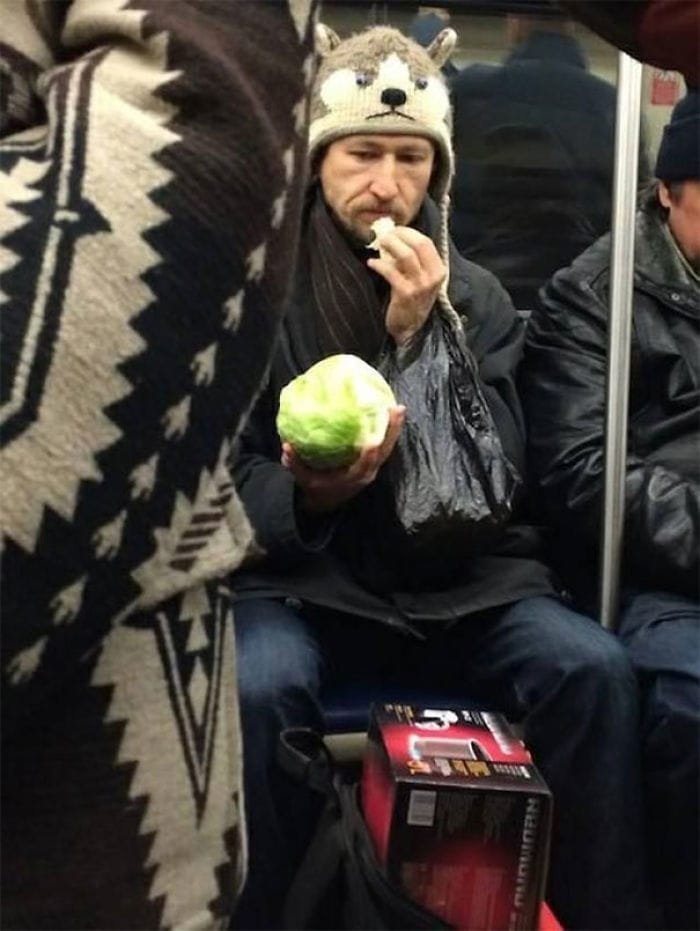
(338, 422)
(450, 482)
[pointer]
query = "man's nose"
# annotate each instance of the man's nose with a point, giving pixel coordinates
(393, 97)
(384, 179)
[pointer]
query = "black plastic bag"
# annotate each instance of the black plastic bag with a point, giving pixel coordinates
(340, 883)
(450, 478)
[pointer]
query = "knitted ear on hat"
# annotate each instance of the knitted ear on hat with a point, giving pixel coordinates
(380, 81)
(326, 39)
(442, 46)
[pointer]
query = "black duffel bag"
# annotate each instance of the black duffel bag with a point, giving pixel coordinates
(340, 883)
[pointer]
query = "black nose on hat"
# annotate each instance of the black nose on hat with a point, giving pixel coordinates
(393, 97)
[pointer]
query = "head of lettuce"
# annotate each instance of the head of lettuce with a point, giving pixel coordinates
(334, 410)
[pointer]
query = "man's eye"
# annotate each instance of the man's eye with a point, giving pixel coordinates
(361, 154)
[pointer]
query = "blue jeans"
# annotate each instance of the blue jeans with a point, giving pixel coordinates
(662, 634)
(569, 682)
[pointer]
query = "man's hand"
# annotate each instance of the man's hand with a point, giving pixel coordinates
(323, 491)
(415, 271)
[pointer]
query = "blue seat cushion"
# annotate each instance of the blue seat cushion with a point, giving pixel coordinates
(346, 704)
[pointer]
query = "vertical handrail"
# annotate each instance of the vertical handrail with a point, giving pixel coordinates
(629, 95)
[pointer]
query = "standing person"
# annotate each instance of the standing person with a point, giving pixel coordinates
(143, 283)
(335, 589)
(564, 392)
(663, 33)
(534, 150)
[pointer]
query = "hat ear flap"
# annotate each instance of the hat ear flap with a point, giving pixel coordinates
(441, 47)
(326, 40)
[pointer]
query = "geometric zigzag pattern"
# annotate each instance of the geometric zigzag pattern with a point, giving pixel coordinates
(143, 281)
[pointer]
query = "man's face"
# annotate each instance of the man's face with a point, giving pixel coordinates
(684, 218)
(367, 177)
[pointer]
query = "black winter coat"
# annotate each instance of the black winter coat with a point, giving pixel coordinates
(564, 395)
(351, 562)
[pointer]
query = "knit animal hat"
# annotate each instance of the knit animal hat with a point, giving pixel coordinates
(380, 81)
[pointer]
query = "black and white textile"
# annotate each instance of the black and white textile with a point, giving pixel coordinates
(150, 191)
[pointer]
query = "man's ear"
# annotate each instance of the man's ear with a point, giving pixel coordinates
(664, 195)
(326, 40)
(441, 47)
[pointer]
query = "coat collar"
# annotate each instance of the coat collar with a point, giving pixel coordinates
(658, 259)
(549, 47)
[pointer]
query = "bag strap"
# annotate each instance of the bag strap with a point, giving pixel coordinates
(330, 859)
(391, 905)
(341, 850)
(317, 874)
(303, 755)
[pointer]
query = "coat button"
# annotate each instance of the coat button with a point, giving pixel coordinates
(675, 296)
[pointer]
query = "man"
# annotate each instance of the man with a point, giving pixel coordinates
(333, 592)
(564, 381)
(143, 280)
(534, 147)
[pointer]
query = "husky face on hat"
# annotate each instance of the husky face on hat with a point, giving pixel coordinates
(379, 81)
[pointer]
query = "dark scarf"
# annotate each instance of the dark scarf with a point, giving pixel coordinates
(340, 304)
(348, 300)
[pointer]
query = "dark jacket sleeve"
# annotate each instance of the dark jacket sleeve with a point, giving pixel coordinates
(495, 334)
(564, 392)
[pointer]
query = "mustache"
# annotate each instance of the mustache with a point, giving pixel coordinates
(375, 208)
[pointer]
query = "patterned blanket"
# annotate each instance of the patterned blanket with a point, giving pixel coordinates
(151, 161)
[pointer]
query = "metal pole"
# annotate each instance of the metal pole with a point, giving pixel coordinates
(629, 94)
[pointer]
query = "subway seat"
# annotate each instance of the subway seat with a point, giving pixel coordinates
(346, 708)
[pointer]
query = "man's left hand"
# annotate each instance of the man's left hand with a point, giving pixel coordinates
(413, 267)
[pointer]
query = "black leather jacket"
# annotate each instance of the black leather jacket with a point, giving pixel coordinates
(563, 380)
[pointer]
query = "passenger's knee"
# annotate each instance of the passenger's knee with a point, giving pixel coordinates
(672, 720)
(278, 661)
(274, 678)
(599, 664)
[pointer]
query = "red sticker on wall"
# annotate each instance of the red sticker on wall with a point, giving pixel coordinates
(665, 87)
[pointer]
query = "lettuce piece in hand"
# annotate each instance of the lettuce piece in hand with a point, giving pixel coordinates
(380, 228)
(335, 409)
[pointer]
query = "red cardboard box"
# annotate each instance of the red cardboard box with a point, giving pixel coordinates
(459, 815)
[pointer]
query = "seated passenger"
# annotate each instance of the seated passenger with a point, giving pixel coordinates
(564, 383)
(329, 598)
(534, 146)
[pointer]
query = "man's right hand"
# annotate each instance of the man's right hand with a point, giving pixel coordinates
(324, 491)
